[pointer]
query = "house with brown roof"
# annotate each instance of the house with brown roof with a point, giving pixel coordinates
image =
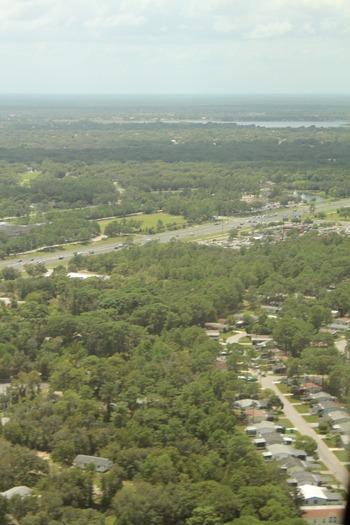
(255, 415)
(324, 514)
(310, 386)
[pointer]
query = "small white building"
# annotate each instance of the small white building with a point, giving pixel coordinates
(313, 495)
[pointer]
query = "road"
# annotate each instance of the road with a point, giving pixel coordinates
(192, 232)
(236, 338)
(332, 463)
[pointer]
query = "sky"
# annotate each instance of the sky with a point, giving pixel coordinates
(175, 46)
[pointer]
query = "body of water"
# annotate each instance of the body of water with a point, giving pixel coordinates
(269, 123)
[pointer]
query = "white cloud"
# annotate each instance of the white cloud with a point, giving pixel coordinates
(120, 20)
(274, 30)
(223, 24)
(181, 42)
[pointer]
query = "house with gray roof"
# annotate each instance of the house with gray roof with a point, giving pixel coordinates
(269, 426)
(322, 396)
(279, 452)
(340, 417)
(100, 464)
(328, 406)
(243, 404)
(307, 478)
(273, 438)
(293, 465)
(21, 491)
(342, 428)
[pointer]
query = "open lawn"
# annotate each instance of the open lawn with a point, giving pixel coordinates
(302, 409)
(282, 387)
(286, 422)
(148, 220)
(294, 400)
(311, 419)
(244, 340)
(28, 176)
(342, 455)
(331, 442)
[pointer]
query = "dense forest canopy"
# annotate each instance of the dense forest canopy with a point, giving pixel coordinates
(132, 374)
(119, 365)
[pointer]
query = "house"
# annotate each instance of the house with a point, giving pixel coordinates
(342, 428)
(345, 441)
(244, 404)
(100, 464)
(322, 396)
(319, 496)
(340, 324)
(293, 465)
(273, 438)
(21, 491)
(255, 415)
(270, 308)
(325, 514)
(307, 478)
(280, 452)
(327, 407)
(213, 334)
(339, 416)
(269, 426)
(221, 327)
(311, 387)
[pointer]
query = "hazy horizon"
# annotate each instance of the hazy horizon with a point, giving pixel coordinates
(175, 46)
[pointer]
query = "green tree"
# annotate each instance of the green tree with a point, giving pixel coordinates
(306, 443)
(204, 516)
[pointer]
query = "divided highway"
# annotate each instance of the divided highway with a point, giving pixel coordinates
(193, 232)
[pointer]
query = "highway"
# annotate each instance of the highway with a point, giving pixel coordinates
(190, 233)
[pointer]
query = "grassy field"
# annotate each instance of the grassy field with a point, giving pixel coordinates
(148, 220)
(28, 177)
